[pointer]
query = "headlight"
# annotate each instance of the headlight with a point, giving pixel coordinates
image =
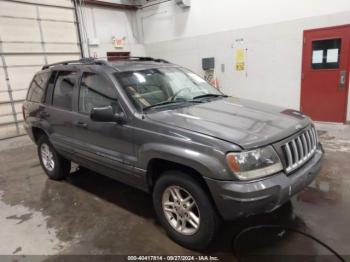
(255, 163)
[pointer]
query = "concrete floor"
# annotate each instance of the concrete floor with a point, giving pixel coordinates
(92, 214)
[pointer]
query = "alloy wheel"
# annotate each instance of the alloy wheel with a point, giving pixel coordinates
(181, 210)
(47, 157)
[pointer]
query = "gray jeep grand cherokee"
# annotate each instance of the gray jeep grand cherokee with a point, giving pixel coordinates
(159, 127)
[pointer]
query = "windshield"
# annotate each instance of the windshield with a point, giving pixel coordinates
(165, 86)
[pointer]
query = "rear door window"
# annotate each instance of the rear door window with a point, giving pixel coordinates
(49, 87)
(63, 90)
(37, 87)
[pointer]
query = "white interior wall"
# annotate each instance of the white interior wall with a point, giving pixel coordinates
(167, 21)
(271, 31)
(274, 49)
(103, 23)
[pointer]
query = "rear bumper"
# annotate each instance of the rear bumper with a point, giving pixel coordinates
(235, 199)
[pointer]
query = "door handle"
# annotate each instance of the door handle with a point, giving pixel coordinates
(342, 79)
(80, 124)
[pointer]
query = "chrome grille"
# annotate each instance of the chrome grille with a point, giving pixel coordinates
(300, 149)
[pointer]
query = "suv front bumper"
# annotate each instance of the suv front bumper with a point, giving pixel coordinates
(235, 199)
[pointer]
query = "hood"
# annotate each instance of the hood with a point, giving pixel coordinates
(243, 122)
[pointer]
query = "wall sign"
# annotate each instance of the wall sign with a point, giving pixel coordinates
(317, 56)
(332, 55)
(118, 42)
(240, 59)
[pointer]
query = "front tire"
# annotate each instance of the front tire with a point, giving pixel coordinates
(55, 166)
(185, 210)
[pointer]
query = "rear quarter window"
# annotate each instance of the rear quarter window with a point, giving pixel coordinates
(37, 87)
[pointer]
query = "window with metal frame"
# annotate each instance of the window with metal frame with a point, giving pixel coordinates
(326, 54)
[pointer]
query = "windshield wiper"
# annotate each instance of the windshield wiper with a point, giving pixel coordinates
(209, 95)
(161, 104)
(170, 103)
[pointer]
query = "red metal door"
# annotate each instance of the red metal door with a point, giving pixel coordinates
(325, 73)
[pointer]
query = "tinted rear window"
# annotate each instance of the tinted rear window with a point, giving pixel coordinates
(63, 92)
(37, 87)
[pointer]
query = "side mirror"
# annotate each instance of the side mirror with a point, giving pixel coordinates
(106, 114)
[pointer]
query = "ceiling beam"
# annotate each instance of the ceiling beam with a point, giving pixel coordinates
(110, 5)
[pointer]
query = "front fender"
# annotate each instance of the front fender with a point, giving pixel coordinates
(209, 163)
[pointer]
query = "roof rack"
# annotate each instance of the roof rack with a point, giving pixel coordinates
(142, 58)
(86, 61)
(94, 61)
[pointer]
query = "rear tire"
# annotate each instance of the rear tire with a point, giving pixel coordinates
(55, 166)
(193, 228)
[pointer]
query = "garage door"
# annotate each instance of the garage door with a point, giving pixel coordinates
(32, 33)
